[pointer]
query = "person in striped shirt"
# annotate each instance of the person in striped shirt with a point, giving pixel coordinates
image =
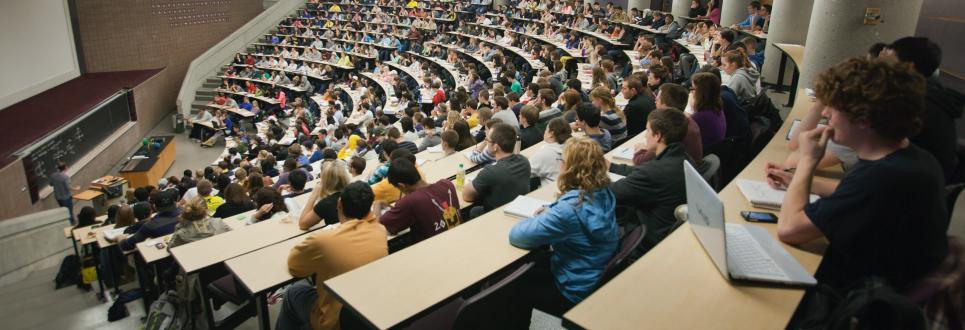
(611, 117)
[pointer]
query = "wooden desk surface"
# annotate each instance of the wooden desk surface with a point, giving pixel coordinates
(796, 52)
(677, 278)
(260, 270)
(212, 250)
(87, 195)
(149, 250)
(432, 270)
(88, 235)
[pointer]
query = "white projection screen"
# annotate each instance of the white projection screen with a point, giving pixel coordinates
(37, 44)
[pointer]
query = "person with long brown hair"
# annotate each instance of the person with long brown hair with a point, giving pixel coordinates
(569, 101)
(236, 202)
(708, 108)
(581, 229)
(743, 77)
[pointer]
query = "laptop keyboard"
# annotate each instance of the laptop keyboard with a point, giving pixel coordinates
(746, 257)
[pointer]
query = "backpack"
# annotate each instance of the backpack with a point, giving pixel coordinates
(69, 273)
(166, 313)
(869, 304)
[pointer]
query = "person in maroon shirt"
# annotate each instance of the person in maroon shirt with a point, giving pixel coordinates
(428, 209)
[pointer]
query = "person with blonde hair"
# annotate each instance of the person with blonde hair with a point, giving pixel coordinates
(332, 179)
(580, 228)
(194, 224)
(611, 117)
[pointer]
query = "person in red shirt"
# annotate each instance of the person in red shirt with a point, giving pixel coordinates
(440, 95)
(220, 99)
(428, 209)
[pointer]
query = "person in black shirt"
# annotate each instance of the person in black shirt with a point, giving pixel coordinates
(236, 202)
(500, 182)
(653, 190)
(529, 134)
(321, 203)
(943, 106)
(638, 107)
(887, 216)
(395, 135)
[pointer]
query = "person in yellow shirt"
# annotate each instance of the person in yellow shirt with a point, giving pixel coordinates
(330, 24)
(205, 188)
(358, 240)
(335, 7)
(412, 4)
(345, 60)
(350, 148)
(385, 192)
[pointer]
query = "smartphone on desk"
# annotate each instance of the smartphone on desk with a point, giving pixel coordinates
(752, 216)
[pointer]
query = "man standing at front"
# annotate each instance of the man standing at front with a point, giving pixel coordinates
(63, 190)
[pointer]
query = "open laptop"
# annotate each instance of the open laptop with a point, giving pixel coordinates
(741, 252)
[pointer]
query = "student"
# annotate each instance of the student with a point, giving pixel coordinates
(708, 109)
(588, 120)
(638, 107)
(388, 146)
(654, 189)
(500, 182)
(194, 224)
(394, 134)
(466, 140)
(432, 137)
(236, 202)
(290, 166)
(580, 228)
(386, 192)
(358, 240)
(673, 96)
(894, 194)
(545, 163)
(612, 118)
(161, 224)
(482, 154)
(943, 106)
(296, 185)
(743, 76)
(450, 139)
(267, 202)
(63, 190)
(323, 199)
(529, 134)
(86, 217)
(204, 191)
(428, 209)
(501, 111)
(753, 18)
(356, 166)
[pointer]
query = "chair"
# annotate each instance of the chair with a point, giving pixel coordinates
(487, 309)
(709, 169)
(629, 243)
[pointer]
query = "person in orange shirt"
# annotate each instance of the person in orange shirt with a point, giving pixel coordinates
(358, 240)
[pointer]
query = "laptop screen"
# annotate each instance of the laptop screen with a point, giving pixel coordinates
(705, 213)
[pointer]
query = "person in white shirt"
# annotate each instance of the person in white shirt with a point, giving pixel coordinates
(545, 162)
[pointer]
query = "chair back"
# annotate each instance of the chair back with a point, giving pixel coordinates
(629, 243)
(491, 307)
(709, 168)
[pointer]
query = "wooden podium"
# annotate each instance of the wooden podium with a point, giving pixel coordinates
(148, 171)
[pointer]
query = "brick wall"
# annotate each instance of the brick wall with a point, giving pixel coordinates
(148, 34)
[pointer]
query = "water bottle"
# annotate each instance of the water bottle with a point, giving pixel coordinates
(460, 177)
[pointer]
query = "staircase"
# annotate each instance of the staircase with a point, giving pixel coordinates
(201, 79)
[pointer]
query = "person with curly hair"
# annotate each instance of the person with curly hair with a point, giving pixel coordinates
(887, 216)
(581, 229)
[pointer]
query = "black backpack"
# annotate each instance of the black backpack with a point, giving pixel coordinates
(870, 304)
(69, 273)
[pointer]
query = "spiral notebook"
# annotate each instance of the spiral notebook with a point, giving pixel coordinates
(524, 206)
(759, 194)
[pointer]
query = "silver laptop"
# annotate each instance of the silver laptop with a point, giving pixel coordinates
(741, 252)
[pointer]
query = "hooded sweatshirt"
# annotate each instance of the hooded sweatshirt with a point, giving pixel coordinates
(583, 236)
(744, 83)
(939, 135)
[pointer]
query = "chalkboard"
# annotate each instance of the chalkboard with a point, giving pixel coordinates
(73, 141)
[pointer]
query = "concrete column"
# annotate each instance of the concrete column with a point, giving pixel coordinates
(836, 31)
(680, 9)
(733, 11)
(789, 21)
(638, 4)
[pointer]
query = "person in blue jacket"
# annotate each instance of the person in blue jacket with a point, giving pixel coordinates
(580, 228)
